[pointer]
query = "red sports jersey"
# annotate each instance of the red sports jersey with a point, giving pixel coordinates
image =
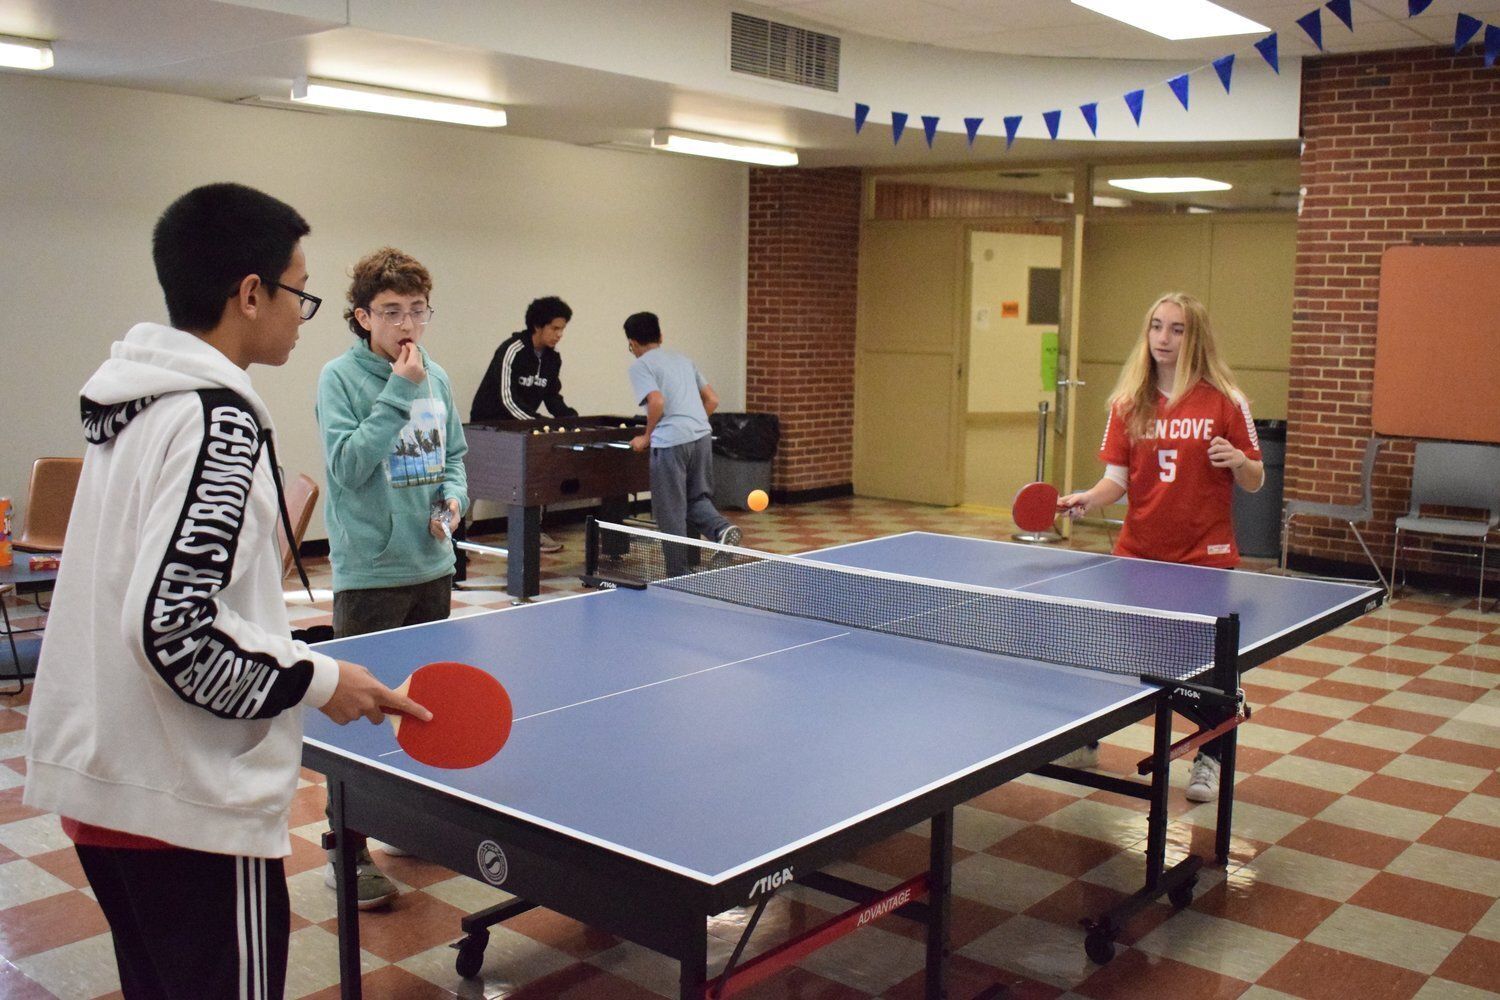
(1179, 503)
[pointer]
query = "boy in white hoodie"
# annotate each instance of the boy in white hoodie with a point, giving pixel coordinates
(166, 721)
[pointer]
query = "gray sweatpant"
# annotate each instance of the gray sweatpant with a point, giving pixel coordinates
(681, 487)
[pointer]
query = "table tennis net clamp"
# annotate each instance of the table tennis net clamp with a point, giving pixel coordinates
(1192, 659)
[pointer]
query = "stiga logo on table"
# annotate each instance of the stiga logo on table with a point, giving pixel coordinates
(492, 864)
(771, 882)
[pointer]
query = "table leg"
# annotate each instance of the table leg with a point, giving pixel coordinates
(939, 904)
(693, 963)
(346, 876)
(523, 562)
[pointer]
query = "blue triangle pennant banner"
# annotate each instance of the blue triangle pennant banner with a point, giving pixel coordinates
(1179, 85)
(861, 112)
(1267, 49)
(898, 125)
(1012, 122)
(1491, 44)
(1340, 9)
(1465, 30)
(1224, 66)
(1312, 23)
(1134, 101)
(1091, 116)
(1053, 119)
(929, 128)
(971, 126)
(1415, 7)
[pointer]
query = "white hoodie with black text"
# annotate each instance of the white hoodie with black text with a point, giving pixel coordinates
(168, 699)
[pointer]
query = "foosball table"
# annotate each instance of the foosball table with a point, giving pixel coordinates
(528, 464)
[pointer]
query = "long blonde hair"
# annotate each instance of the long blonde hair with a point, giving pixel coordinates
(1135, 393)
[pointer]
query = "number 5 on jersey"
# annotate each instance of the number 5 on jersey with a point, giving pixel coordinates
(1168, 461)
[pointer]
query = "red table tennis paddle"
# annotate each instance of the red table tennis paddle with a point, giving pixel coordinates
(1035, 507)
(471, 716)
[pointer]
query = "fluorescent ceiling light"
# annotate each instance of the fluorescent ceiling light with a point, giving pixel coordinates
(402, 103)
(25, 53)
(1175, 19)
(694, 144)
(1169, 185)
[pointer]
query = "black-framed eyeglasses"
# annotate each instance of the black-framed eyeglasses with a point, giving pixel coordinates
(309, 303)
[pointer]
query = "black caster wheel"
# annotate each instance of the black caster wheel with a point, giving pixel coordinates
(1182, 893)
(471, 954)
(1099, 948)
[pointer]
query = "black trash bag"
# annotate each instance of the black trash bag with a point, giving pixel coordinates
(749, 437)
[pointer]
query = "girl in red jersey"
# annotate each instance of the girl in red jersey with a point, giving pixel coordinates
(1178, 439)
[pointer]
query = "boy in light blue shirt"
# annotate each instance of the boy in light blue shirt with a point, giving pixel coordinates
(678, 400)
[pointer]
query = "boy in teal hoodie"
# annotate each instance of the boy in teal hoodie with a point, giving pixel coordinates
(393, 446)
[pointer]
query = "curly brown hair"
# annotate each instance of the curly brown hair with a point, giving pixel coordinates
(385, 270)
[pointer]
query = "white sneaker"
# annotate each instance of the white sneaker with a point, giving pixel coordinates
(730, 536)
(1203, 785)
(1085, 758)
(549, 544)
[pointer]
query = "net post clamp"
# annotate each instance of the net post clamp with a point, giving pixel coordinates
(1198, 695)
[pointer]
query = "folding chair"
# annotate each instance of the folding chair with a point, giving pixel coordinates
(1451, 475)
(1351, 514)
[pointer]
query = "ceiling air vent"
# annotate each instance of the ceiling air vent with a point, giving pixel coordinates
(781, 52)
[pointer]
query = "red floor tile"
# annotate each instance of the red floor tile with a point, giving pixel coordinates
(1287, 796)
(1418, 899)
(1475, 962)
(1395, 718)
(1297, 722)
(414, 923)
(1134, 975)
(971, 980)
(568, 935)
(1313, 972)
(1354, 755)
(1408, 794)
(15, 986)
(1266, 906)
(584, 982)
(1326, 688)
(1342, 843)
(1466, 838)
(49, 923)
(390, 983)
(1020, 801)
(1457, 752)
(64, 864)
(1054, 850)
(1444, 689)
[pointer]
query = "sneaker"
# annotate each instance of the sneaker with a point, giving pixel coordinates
(375, 890)
(1203, 786)
(731, 535)
(550, 544)
(1085, 758)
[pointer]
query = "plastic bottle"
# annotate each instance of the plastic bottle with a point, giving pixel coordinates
(5, 550)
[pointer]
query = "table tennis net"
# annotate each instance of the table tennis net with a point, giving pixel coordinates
(1112, 638)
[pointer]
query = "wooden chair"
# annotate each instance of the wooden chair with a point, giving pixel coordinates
(301, 498)
(49, 502)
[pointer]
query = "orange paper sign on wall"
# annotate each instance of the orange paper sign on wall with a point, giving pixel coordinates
(1010, 310)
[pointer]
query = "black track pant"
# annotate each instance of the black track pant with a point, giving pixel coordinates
(193, 926)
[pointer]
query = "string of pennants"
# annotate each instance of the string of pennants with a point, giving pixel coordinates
(1465, 30)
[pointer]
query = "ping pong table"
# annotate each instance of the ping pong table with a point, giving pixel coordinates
(675, 755)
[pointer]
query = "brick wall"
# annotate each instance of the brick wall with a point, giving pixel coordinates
(1399, 146)
(803, 263)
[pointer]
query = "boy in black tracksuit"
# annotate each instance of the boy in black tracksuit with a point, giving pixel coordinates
(525, 373)
(523, 376)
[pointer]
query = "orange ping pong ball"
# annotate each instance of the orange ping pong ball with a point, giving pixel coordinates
(757, 500)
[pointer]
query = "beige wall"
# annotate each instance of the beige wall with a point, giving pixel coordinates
(498, 220)
(1005, 355)
(1240, 266)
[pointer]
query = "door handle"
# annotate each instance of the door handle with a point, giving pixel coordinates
(1065, 382)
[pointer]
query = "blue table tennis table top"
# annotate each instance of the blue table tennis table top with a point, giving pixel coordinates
(707, 738)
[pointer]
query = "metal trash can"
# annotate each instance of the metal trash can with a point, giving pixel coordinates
(744, 445)
(1257, 516)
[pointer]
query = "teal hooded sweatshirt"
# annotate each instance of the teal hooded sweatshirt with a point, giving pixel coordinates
(392, 448)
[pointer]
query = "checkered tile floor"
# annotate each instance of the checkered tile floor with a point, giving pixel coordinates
(1366, 861)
